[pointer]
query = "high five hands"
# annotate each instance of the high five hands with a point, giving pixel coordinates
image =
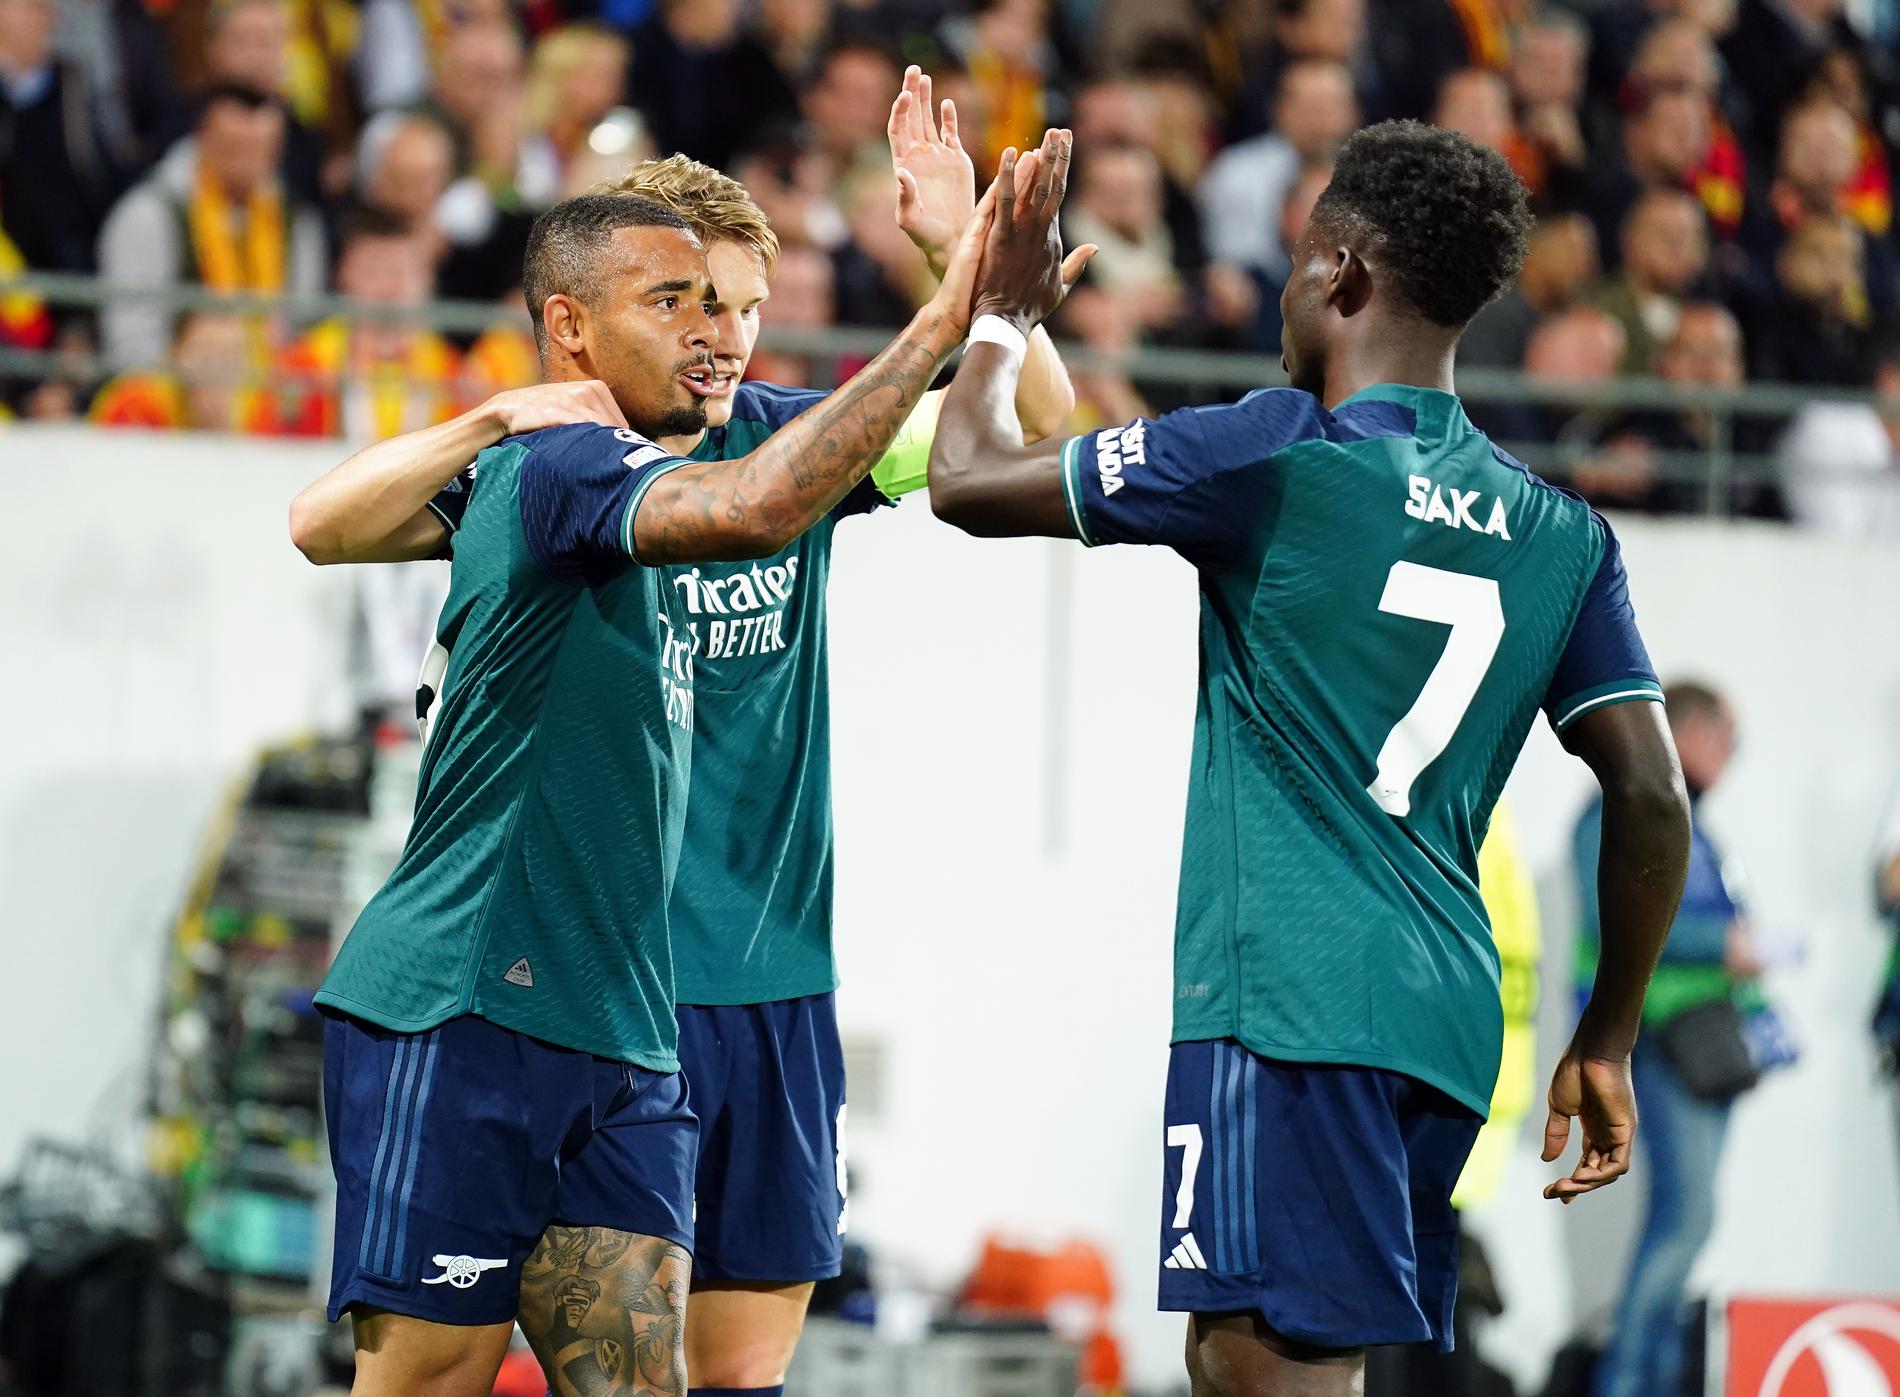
(936, 182)
(1024, 275)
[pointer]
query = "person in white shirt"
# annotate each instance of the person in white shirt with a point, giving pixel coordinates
(1244, 188)
(1840, 462)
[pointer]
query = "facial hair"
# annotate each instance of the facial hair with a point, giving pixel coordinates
(681, 421)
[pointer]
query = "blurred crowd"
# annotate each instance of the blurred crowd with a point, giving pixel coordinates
(1713, 181)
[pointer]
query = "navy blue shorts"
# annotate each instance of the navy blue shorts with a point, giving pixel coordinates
(1318, 1196)
(768, 1087)
(456, 1148)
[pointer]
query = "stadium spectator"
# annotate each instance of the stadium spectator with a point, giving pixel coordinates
(1604, 121)
(1627, 468)
(1420, 43)
(804, 297)
(1678, 55)
(1476, 102)
(1128, 112)
(480, 98)
(1578, 345)
(878, 277)
(1665, 252)
(1562, 260)
(1306, 31)
(1245, 186)
(393, 57)
(1116, 203)
(1841, 77)
(57, 168)
(477, 93)
(575, 79)
(799, 182)
(848, 106)
(707, 88)
(794, 33)
(1617, 32)
(1814, 171)
(405, 163)
(213, 213)
(1773, 45)
(1813, 326)
(1549, 60)
(1175, 86)
(1685, 1063)
(247, 44)
(1840, 462)
(503, 355)
(1004, 46)
(368, 379)
(1666, 138)
(212, 383)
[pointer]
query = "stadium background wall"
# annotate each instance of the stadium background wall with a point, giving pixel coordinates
(1022, 708)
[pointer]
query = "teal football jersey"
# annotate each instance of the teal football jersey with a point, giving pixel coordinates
(532, 890)
(751, 915)
(752, 907)
(1386, 600)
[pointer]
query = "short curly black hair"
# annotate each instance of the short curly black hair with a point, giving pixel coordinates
(1444, 217)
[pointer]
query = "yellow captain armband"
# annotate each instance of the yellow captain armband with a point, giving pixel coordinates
(906, 466)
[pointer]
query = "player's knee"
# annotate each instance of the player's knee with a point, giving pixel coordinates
(431, 1373)
(397, 1356)
(743, 1359)
(1241, 1356)
(747, 1364)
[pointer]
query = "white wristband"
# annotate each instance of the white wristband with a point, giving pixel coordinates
(993, 329)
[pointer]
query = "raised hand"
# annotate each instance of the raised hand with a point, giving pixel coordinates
(1024, 275)
(936, 183)
(1599, 1093)
(955, 296)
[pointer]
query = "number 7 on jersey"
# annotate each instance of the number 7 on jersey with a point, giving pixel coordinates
(1470, 606)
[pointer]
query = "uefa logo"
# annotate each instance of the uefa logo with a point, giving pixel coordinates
(1851, 1349)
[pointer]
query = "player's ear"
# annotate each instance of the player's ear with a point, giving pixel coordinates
(1350, 285)
(564, 318)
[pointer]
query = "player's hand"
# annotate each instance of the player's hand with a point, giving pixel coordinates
(1025, 276)
(554, 405)
(954, 296)
(1599, 1093)
(936, 183)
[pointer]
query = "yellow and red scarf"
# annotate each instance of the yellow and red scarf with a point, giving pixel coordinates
(415, 390)
(225, 263)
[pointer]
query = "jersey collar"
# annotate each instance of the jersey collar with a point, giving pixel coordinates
(1432, 406)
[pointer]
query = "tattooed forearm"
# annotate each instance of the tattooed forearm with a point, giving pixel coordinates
(757, 504)
(605, 1312)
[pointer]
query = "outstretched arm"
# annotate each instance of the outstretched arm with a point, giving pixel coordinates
(983, 477)
(757, 504)
(936, 196)
(1643, 859)
(374, 507)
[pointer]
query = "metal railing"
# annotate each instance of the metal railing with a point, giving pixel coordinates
(1167, 377)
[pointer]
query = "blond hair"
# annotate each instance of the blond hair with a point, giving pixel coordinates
(716, 205)
(559, 56)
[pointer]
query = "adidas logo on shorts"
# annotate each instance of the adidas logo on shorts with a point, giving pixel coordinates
(1186, 1256)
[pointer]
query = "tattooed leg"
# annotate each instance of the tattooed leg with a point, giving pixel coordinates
(605, 1312)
